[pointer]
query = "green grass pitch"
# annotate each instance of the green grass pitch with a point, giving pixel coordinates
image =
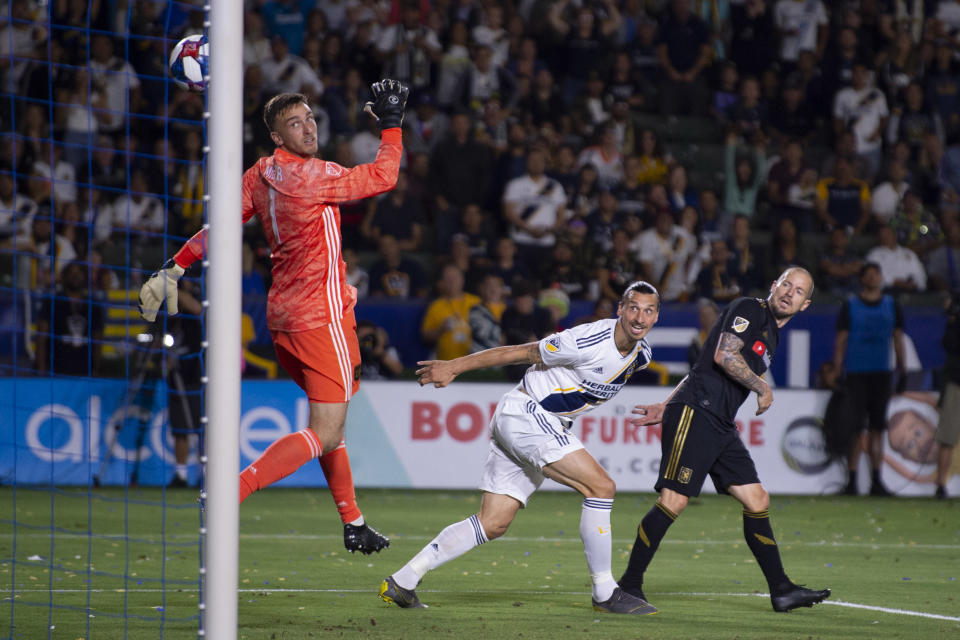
(893, 566)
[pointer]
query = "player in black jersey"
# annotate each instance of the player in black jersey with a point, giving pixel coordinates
(699, 435)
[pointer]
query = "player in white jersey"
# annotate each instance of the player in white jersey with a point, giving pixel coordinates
(572, 371)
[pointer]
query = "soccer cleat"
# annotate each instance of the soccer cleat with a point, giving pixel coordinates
(878, 490)
(364, 539)
(390, 591)
(178, 483)
(940, 493)
(623, 602)
(797, 596)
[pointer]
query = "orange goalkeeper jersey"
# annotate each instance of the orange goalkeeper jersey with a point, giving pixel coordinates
(297, 202)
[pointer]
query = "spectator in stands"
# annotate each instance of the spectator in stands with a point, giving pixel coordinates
(118, 81)
(379, 360)
(425, 125)
(256, 45)
(862, 109)
(679, 192)
(786, 249)
(901, 269)
(917, 228)
(841, 57)
(445, 326)
(476, 231)
(344, 105)
(543, 104)
(618, 267)
(602, 221)
(899, 64)
(585, 35)
(803, 25)
(839, 265)
(523, 321)
(748, 118)
(630, 193)
(653, 161)
(16, 209)
(725, 98)
(506, 265)
(752, 36)
(707, 314)
(394, 275)
(886, 196)
(792, 117)
(943, 86)
(357, 276)
(564, 272)
(717, 280)
(665, 251)
(535, 206)
(801, 206)
(82, 111)
(714, 221)
(684, 52)
(105, 167)
(460, 170)
(937, 175)
(915, 120)
(747, 257)
(943, 263)
(784, 173)
(409, 48)
(43, 253)
(70, 324)
(483, 81)
(484, 318)
(605, 156)
(397, 214)
(284, 72)
(186, 184)
(743, 177)
(842, 199)
(137, 211)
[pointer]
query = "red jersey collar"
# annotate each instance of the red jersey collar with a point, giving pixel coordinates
(286, 155)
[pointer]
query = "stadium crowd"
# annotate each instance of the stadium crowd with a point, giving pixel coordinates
(554, 150)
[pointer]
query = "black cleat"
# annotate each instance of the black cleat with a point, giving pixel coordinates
(797, 596)
(390, 591)
(364, 539)
(878, 490)
(178, 483)
(623, 602)
(940, 493)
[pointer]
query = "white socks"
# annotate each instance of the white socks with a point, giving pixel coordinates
(452, 542)
(597, 542)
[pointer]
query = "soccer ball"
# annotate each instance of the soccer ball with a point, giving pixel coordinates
(189, 61)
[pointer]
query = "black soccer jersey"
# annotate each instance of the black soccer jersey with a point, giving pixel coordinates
(707, 386)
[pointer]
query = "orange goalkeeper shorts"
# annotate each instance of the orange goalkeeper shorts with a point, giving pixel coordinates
(325, 362)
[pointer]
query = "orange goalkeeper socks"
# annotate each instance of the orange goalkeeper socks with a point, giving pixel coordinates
(281, 458)
(336, 468)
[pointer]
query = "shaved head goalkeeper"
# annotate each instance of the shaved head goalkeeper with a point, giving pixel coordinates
(310, 308)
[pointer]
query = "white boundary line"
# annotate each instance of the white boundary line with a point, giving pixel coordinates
(695, 594)
(532, 539)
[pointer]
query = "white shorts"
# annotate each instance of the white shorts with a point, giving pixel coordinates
(523, 440)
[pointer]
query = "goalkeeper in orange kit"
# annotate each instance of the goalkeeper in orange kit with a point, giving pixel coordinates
(310, 308)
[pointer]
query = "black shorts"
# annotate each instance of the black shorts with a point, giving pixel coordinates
(869, 394)
(694, 442)
(185, 410)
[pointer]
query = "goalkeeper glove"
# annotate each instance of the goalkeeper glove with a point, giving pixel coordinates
(161, 286)
(389, 100)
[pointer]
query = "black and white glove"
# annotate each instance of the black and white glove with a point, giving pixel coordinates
(162, 286)
(389, 101)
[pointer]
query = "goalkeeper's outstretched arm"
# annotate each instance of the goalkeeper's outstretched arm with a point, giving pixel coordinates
(162, 286)
(442, 372)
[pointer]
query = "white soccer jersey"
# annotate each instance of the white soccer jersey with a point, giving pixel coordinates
(582, 368)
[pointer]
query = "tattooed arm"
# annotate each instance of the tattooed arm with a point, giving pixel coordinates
(728, 357)
(442, 372)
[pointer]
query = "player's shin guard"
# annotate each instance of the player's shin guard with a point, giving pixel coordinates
(759, 536)
(452, 542)
(336, 469)
(650, 532)
(281, 458)
(595, 534)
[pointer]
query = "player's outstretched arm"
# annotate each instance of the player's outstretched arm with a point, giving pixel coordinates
(440, 373)
(648, 414)
(728, 357)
